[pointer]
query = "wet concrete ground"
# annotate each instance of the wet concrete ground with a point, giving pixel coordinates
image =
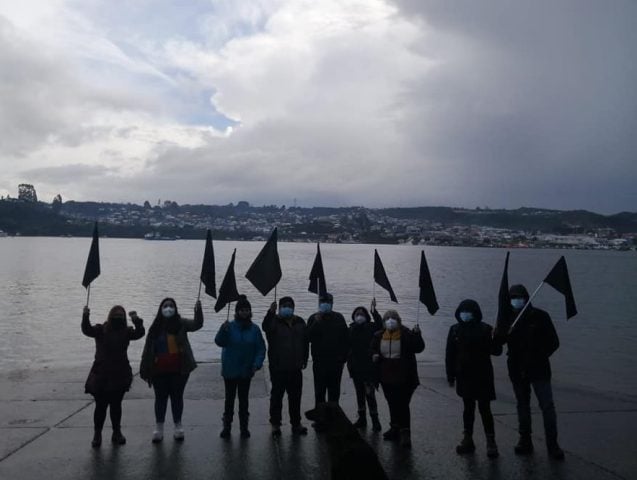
(46, 428)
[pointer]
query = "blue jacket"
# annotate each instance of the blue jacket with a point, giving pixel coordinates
(243, 349)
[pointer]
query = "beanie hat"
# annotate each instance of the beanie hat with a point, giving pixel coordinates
(242, 302)
(519, 291)
(326, 298)
(283, 300)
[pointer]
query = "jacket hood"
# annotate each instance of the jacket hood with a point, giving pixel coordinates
(365, 313)
(519, 291)
(469, 305)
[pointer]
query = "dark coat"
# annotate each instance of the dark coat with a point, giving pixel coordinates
(359, 361)
(111, 370)
(530, 344)
(411, 343)
(288, 349)
(468, 355)
(329, 338)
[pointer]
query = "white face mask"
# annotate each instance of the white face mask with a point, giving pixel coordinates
(360, 319)
(391, 324)
(518, 303)
(466, 316)
(168, 311)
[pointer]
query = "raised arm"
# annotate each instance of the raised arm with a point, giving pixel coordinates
(192, 325)
(139, 331)
(88, 329)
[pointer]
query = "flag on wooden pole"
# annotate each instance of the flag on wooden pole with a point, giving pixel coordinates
(265, 272)
(427, 293)
(558, 279)
(228, 290)
(380, 277)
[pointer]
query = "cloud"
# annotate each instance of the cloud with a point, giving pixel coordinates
(330, 103)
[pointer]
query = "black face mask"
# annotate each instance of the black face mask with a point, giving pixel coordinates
(118, 322)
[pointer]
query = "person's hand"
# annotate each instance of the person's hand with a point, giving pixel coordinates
(375, 357)
(133, 315)
(198, 305)
(416, 329)
(451, 381)
(86, 310)
(225, 326)
(272, 308)
(373, 305)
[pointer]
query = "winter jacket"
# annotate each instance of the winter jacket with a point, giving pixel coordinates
(111, 370)
(243, 348)
(287, 342)
(468, 355)
(329, 338)
(530, 344)
(359, 361)
(411, 343)
(187, 361)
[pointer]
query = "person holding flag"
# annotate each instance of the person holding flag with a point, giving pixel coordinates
(329, 339)
(242, 355)
(167, 361)
(531, 342)
(111, 375)
(287, 355)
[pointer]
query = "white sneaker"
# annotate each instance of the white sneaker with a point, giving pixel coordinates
(179, 432)
(158, 433)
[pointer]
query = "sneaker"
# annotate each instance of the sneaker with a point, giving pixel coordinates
(158, 433)
(299, 430)
(225, 433)
(179, 432)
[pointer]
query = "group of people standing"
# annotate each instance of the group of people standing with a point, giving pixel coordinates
(379, 351)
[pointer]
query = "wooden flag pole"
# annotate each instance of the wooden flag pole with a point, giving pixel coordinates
(525, 307)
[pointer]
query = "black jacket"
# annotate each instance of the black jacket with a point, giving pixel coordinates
(468, 354)
(411, 343)
(359, 361)
(328, 337)
(530, 344)
(287, 342)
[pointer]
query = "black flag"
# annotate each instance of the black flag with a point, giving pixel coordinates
(504, 300)
(317, 275)
(427, 294)
(380, 277)
(92, 270)
(208, 267)
(265, 271)
(559, 280)
(228, 290)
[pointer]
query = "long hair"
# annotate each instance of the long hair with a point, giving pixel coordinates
(160, 321)
(108, 324)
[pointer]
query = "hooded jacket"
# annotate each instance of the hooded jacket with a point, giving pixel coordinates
(468, 354)
(243, 348)
(531, 342)
(287, 342)
(359, 360)
(181, 326)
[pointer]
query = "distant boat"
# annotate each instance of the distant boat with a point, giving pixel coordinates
(158, 236)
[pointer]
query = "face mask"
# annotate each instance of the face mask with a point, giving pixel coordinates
(518, 303)
(391, 324)
(466, 316)
(360, 319)
(325, 307)
(286, 311)
(168, 311)
(244, 315)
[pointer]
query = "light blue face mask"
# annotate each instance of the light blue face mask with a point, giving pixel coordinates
(518, 303)
(286, 311)
(466, 316)
(325, 307)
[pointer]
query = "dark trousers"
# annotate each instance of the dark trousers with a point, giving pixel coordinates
(234, 386)
(292, 383)
(468, 416)
(103, 400)
(544, 394)
(365, 393)
(169, 385)
(398, 398)
(327, 379)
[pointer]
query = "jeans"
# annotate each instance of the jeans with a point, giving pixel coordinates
(327, 379)
(468, 416)
(169, 385)
(102, 401)
(234, 386)
(544, 394)
(292, 383)
(398, 399)
(365, 393)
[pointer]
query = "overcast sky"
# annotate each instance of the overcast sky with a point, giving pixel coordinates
(350, 102)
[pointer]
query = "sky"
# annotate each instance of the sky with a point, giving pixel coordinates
(377, 103)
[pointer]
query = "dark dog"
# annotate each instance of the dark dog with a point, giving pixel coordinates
(351, 457)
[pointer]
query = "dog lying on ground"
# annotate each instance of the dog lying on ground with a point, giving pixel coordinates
(351, 457)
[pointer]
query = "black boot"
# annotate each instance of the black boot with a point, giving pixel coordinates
(392, 434)
(376, 423)
(227, 425)
(97, 439)
(525, 445)
(243, 425)
(554, 450)
(362, 420)
(117, 438)
(466, 445)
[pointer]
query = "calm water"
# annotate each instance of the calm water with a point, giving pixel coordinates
(41, 296)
